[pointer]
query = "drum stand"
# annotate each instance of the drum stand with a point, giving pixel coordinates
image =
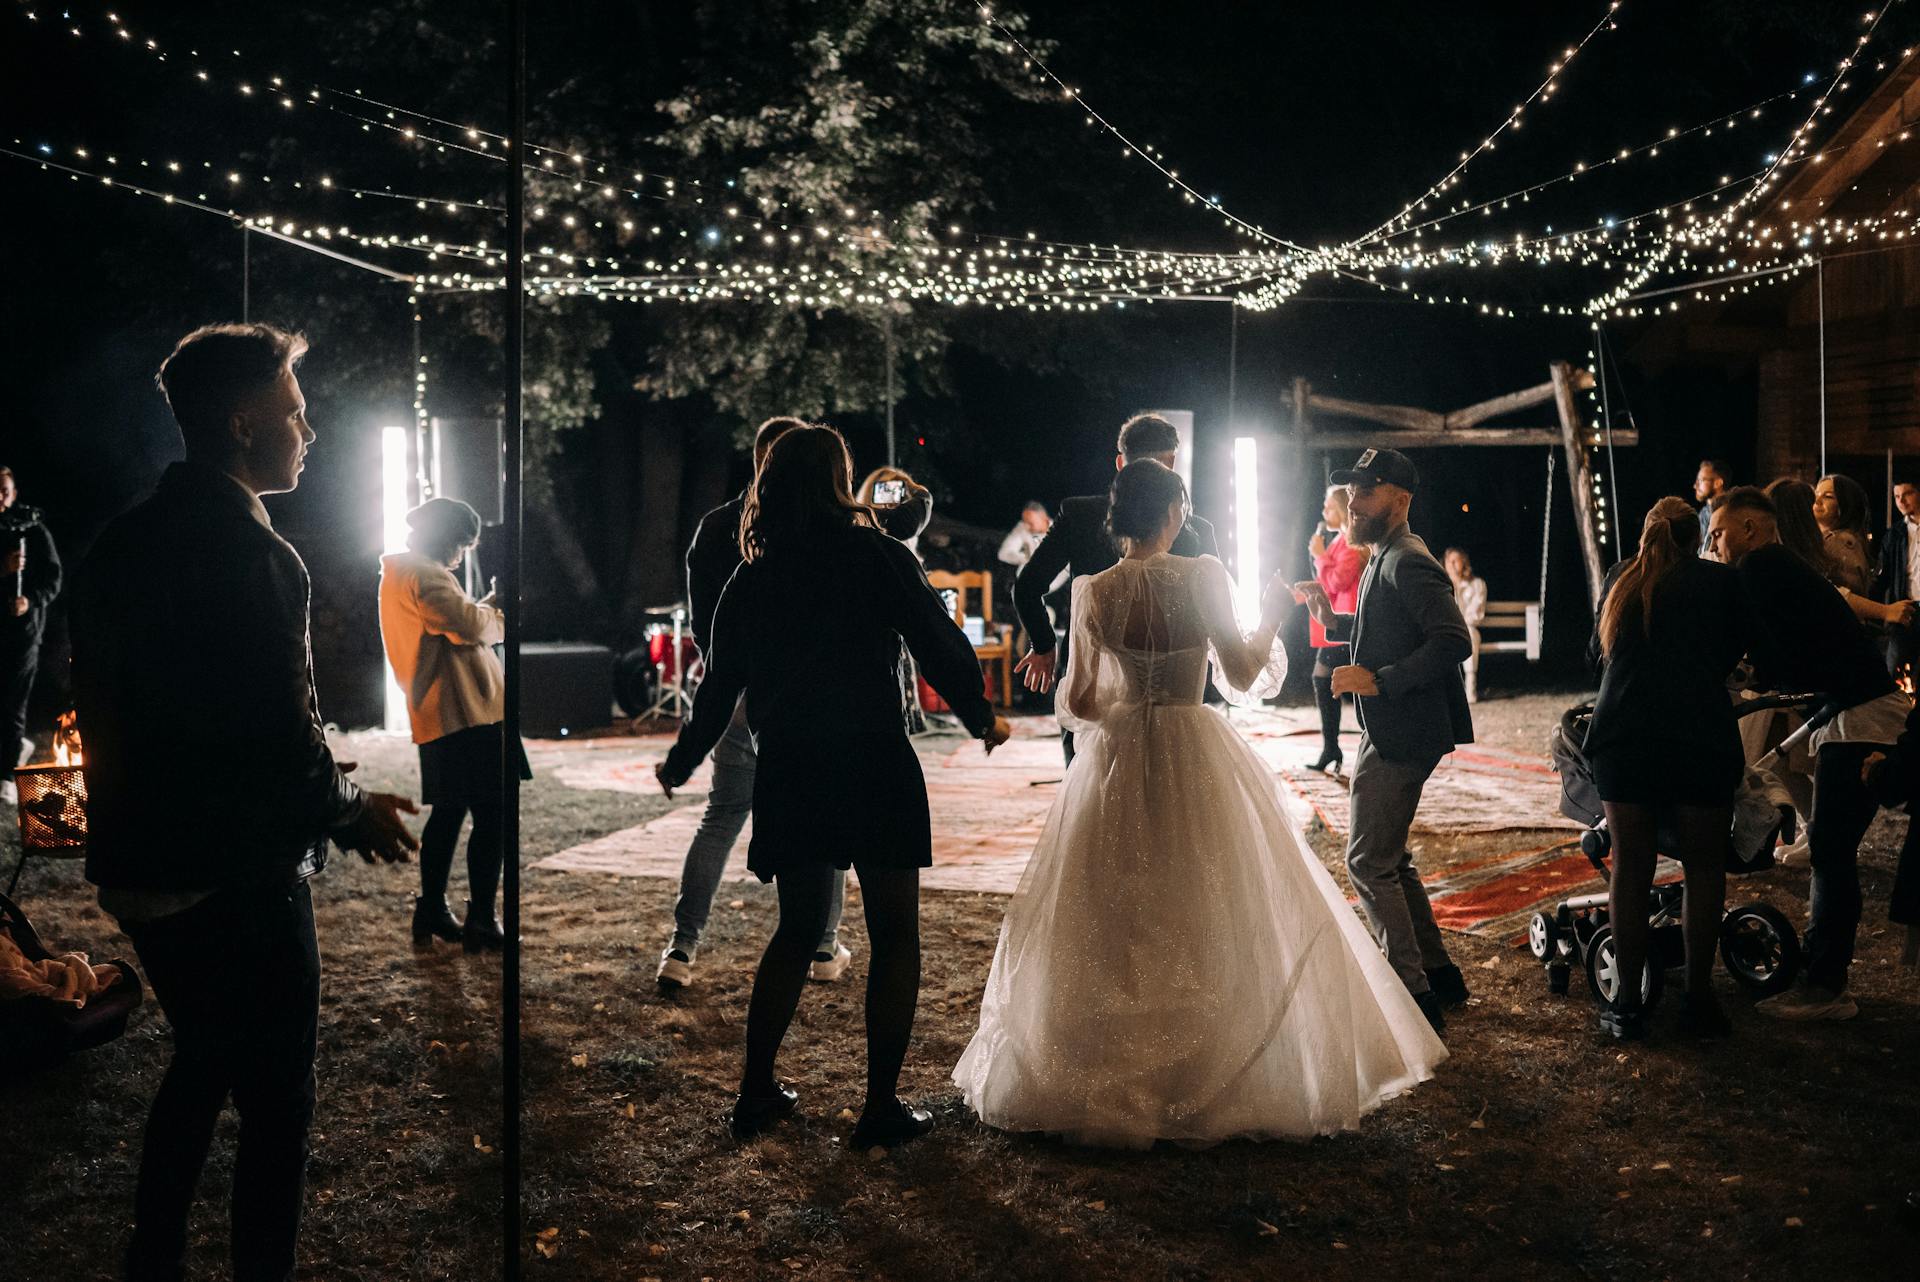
(673, 701)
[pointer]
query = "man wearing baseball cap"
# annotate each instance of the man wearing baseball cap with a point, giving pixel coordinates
(1408, 644)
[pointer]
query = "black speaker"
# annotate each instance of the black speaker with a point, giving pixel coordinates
(467, 462)
(565, 687)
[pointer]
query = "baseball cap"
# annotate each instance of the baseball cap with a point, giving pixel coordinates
(1380, 467)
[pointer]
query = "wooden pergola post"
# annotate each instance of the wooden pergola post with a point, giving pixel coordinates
(1579, 480)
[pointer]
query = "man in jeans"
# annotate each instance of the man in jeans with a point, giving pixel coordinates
(711, 561)
(211, 792)
(1809, 639)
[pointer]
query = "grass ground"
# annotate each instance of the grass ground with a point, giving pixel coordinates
(1539, 1149)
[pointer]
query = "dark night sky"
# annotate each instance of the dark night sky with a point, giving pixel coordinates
(1314, 120)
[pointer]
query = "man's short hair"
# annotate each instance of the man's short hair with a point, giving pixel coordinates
(1145, 435)
(1719, 468)
(212, 370)
(1746, 498)
(769, 432)
(1033, 505)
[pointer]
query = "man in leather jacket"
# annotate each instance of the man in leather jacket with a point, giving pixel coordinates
(212, 792)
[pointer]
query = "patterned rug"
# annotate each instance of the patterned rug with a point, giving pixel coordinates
(988, 811)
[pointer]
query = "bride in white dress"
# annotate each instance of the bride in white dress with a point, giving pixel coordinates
(1176, 963)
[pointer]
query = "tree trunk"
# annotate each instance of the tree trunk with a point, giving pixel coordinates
(655, 576)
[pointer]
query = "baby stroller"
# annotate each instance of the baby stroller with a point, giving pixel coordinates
(1758, 945)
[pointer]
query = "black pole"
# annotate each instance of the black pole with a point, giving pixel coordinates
(512, 519)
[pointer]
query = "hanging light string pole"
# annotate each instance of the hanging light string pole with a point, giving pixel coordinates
(514, 358)
(1606, 416)
(893, 459)
(1820, 291)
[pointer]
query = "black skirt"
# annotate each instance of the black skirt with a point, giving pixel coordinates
(464, 767)
(1663, 775)
(1328, 657)
(815, 801)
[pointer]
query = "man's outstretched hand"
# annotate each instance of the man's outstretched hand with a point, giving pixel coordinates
(1037, 669)
(380, 833)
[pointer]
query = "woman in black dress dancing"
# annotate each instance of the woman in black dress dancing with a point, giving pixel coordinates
(810, 628)
(1665, 749)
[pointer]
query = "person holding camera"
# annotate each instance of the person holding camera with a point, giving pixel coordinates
(838, 782)
(29, 581)
(439, 643)
(904, 507)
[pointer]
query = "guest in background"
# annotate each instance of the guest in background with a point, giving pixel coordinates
(1337, 566)
(838, 782)
(190, 646)
(1017, 548)
(1899, 577)
(1710, 481)
(29, 581)
(1795, 503)
(439, 643)
(711, 562)
(903, 505)
(1470, 594)
(1665, 751)
(1840, 506)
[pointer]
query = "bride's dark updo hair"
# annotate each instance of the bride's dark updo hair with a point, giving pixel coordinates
(1142, 493)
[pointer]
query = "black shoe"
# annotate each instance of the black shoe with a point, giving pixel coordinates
(1430, 1005)
(432, 918)
(890, 1125)
(1702, 1018)
(1624, 1023)
(482, 934)
(755, 1113)
(1330, 762)
(1448, 985)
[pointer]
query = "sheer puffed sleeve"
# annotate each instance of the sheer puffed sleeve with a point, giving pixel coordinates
(1096, 684)
(1249, 666)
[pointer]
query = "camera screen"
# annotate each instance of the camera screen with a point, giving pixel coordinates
(890, 493)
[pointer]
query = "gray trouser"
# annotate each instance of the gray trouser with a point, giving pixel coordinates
(1383, 798)
(728, 806)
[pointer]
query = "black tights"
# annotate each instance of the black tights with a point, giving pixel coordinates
(892, 899)
(442, 834)
(1700, 833)
(1329, 702)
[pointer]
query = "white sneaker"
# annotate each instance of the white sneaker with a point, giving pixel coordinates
(1808, 1003)
(676, 969)
(827, 969)
(9, 793)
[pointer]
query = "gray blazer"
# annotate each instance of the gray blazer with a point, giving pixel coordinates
(1408, 632)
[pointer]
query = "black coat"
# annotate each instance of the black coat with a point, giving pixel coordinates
(813, 639)
(1407, 630)
(206, 759)
(23, 526)
(1890, 581)
(1078, 543)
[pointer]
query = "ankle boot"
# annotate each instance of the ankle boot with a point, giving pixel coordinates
(482, 934)
(431, 918)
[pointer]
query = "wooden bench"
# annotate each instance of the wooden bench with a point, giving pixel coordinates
(1516, 629)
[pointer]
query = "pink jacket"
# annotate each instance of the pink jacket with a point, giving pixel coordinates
(1338, 570)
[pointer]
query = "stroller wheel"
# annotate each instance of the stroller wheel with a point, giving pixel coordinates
(1760, 948)
(1603, 972)
(1543, 937)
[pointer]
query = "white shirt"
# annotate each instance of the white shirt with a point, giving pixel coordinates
(1017, 548)
(1913, 559)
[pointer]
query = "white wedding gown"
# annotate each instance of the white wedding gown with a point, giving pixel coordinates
(1176, 963)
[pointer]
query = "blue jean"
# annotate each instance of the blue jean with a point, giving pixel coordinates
(728, 806)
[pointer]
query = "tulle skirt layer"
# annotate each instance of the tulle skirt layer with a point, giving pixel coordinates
(1177, 965)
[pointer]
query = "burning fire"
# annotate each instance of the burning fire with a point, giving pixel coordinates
(66, 741)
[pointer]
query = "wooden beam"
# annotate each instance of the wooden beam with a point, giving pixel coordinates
(1391, 415)
(1401, 439)
(1474, 414)
(1580, 479)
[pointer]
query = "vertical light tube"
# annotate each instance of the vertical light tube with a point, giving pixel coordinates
(393, 538)
(1246, 526)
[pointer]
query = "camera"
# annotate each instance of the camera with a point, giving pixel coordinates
(889, 493)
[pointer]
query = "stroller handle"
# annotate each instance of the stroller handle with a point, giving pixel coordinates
(1774, 702)
(1827, 711)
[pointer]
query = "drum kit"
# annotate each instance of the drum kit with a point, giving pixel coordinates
(675, 661)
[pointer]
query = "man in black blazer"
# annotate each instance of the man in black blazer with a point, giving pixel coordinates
(1899, 577)
(1408, 644)
(1078, 543)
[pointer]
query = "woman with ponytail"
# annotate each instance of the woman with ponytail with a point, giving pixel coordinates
(1665, 749)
